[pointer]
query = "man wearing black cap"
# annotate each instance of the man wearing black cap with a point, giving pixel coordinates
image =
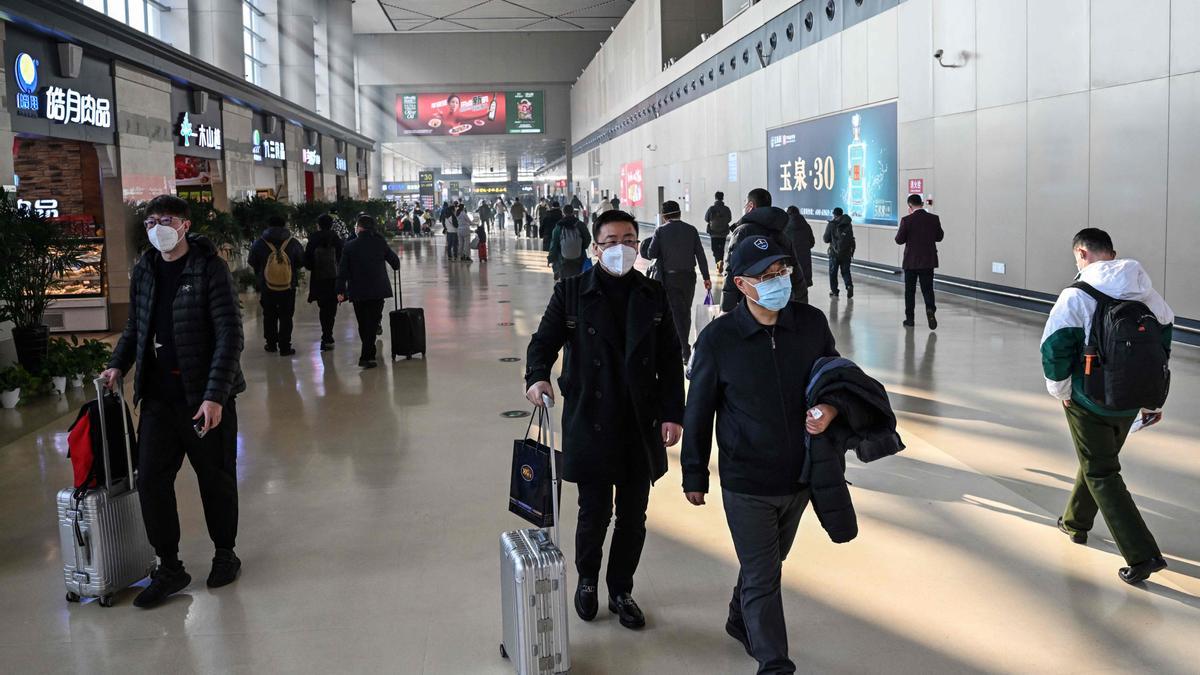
(751, 369)
(676, 245)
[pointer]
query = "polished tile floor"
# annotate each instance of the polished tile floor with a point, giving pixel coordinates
(371, 504)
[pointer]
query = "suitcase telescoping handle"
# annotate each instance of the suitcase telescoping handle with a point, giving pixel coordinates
(397, 302)
(548, 403)
(101, 385)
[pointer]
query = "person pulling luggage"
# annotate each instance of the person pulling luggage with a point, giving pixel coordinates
(677, 248)
(184, 334)
(623, 392)
(363, 280)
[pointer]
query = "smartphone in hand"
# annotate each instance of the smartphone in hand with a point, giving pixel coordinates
(199, 427)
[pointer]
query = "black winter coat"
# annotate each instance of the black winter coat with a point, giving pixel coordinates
(207, 322)
(323, 289)
(598, 386)
(753, 379)
(362, 274)
(765, 221)
(831, 229)
(865, 423)
(801, 234)
(718, 217)
(550, 218)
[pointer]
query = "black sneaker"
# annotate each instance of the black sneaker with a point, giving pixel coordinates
(833, 294)
(369, 364)
(287, 351)
(270, 348)
(225, 568)
(1077, 537)
(932, 321)
(326, 346)
(627, 611)
(736, 628)
(907, 324)
(1136, 574)
(587, 601)
(164, 583)
(849, 293)
(379, 329)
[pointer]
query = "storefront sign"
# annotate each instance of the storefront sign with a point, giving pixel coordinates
(310, 157)
(197, 133)
(401, 187)
(268, 147)
(631, 184)
(340, 164)
(202, 136)
(79, 108)
(491, 189)
(46, 208)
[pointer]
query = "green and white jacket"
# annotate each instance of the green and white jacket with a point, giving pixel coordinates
(1070, 321)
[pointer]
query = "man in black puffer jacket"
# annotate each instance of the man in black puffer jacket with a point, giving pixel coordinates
(761, 220)
(185, 335)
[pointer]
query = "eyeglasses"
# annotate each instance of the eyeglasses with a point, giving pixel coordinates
(166, 221)
(785, 272)
(605, 245)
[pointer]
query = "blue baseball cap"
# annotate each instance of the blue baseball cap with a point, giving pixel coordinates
(752, 256)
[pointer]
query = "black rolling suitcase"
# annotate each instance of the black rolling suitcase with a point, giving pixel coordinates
(407, 327)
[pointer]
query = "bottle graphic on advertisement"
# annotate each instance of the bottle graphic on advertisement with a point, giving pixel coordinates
(492, 109)
(857, 156)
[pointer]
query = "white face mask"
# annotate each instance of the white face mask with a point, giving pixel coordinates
(163, 237)
(619, 259)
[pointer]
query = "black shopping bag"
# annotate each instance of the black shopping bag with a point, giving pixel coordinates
(530, 494)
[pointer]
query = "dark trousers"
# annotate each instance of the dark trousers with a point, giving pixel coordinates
(1099, 486)
(570, 268)
(763, 529)
(911, 277)
(681, 290)
(278, 309)
(165, 436)
(836, 265)
(718, 249)
(327, 309)
(452, 245)
(369, 314)
(629, 533)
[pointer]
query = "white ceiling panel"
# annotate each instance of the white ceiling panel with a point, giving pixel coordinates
(607, 10)
(490, 15)
(397, 12)
(500, 25)
(497, 9)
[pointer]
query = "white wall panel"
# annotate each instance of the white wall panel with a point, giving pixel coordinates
(829, 73)
(854, 66)
(954, 201)
(1000, 220)
(1128, 195)
(954, 31)
(790, 92)
(1057, 187)
(1130, 41)
(1183, 199)
(1185, 47)
(915, 19)
(916, 145)
(1002, 52)
(808, 85)
(1059, 55)
(881, 245)
(883, 56)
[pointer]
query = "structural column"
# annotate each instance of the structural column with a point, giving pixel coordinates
(215, 28)
(297, 63)
(340, 33)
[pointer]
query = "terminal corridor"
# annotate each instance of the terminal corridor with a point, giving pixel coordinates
(371, 502)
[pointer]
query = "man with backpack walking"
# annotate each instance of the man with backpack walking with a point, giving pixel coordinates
(185, 336)
(568, 244)
(839, 234)
(276, 259)
(1105, 350)
(677, 248)
(321, 257)
(718, 217)
(919, 233)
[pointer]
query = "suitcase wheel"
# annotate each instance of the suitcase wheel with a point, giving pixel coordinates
(72, 597)
(106, 601)
(503, 652)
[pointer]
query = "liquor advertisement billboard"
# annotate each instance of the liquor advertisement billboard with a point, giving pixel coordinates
(631, 185)
(846, 160)
(470, 113)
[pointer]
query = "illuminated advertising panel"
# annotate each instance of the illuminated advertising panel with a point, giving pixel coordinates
(470, 113)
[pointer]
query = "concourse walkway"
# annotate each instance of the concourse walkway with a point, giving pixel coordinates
(371, 503)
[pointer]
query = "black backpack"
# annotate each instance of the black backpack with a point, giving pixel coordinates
(325, 262)
(843, 240)
(1125, 361)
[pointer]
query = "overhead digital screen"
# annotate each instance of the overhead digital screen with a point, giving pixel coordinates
(846, 160)
(470, 113)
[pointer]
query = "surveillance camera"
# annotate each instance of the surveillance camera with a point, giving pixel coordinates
(938, 54)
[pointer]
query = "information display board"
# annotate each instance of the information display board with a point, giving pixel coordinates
(470, 113)
(846, 160)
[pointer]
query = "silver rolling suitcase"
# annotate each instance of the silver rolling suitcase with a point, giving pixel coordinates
(104, 542)
(533, 588)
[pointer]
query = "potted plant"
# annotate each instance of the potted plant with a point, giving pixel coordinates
(12, 380)
(34, 252)
(59, 364)
(94, 358)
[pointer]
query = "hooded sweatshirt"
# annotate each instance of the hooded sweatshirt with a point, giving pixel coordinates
(764, 221)
(1067, 330)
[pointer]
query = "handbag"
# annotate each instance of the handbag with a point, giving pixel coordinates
(705, 313)
(534, 482)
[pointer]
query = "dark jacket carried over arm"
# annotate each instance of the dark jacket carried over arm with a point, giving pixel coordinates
(752, 378)
(259, 252)
(617, 380)
(865, 424)
(207, 324)
(362, 274)
(919, 233)
(765, 221)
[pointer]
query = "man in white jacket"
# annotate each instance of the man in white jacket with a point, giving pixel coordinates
(1069, 358)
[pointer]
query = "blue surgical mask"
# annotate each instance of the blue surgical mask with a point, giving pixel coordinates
(773, 294)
